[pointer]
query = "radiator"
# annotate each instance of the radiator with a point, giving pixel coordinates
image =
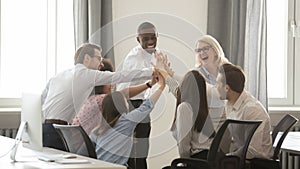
(9, 121)
(9, 132)
(290, 162)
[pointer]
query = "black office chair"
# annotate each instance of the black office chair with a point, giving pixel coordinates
(283, 127)
(218, 155)
(76, 140)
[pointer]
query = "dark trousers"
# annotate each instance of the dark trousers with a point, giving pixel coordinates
(51, 138)
(140, 148)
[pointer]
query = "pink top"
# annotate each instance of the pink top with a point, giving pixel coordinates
(89, 115)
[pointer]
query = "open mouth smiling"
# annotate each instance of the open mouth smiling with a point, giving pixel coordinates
(204, 58)
(150, 46)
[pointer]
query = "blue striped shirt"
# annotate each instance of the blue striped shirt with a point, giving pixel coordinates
(115, 144)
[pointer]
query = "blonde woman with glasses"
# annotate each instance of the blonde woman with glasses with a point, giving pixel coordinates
(209, 56)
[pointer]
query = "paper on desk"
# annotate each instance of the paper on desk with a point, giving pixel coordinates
(72, 161)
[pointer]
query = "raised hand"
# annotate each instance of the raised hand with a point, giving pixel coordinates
(160, 60)
(161, 81)
(154, 78)
(162, 64)
(168, 66)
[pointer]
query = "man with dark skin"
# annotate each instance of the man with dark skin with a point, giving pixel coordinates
(141, 57)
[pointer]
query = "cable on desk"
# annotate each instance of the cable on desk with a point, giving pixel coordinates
(8, 151)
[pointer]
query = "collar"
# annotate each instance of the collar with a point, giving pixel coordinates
(240, 100)
(146, 56)
(144, 52)
(79, 65)
(211, 79)
(204, 70)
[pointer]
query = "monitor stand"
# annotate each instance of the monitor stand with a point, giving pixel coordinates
(18, 139)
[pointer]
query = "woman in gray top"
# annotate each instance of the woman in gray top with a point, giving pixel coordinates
(192, 126)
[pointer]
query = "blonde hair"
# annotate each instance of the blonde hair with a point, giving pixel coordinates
(221, 59)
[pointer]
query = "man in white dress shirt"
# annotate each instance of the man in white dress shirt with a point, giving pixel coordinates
(67, 91)
(241, 105)
(141, 57)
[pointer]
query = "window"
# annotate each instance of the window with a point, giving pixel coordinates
(282, 53)
(37, 41)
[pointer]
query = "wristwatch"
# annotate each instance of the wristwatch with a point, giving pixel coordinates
(148, 85)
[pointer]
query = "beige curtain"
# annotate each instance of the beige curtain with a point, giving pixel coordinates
(92, 23)
(240, 27)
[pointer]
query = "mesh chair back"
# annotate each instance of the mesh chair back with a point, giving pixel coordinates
(283, 126)
(76, 140)
(230, 144)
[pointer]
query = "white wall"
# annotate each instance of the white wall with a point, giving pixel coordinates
(180, 24)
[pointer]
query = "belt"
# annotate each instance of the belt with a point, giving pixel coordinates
(56, 121)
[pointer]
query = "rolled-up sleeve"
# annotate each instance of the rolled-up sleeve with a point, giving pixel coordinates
(172, 84)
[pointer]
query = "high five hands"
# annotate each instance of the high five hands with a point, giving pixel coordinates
(162, 65)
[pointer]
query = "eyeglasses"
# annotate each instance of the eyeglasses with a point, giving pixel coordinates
(204, 49)
(100, 58)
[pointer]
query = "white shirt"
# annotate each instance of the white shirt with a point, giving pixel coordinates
(249, 108)
(189, 141)
(137, 58)
(216, 106)
(67, 91)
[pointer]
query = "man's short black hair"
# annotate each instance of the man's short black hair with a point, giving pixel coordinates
(233, 76)
(144, 26)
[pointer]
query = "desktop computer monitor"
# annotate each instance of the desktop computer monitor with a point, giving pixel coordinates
(32, 115)
(30, 130)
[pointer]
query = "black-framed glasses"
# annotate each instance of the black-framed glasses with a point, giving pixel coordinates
(204, 49)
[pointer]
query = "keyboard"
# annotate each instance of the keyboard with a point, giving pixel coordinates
(49, 157)
(61, 158)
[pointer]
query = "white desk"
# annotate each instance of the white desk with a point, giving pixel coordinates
(27, 159)
(291, 143)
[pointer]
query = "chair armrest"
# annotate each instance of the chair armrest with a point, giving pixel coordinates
(189, 162)
(260, 163)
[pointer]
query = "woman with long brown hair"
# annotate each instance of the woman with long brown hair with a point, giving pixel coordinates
(114, 137)
(192, 127)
